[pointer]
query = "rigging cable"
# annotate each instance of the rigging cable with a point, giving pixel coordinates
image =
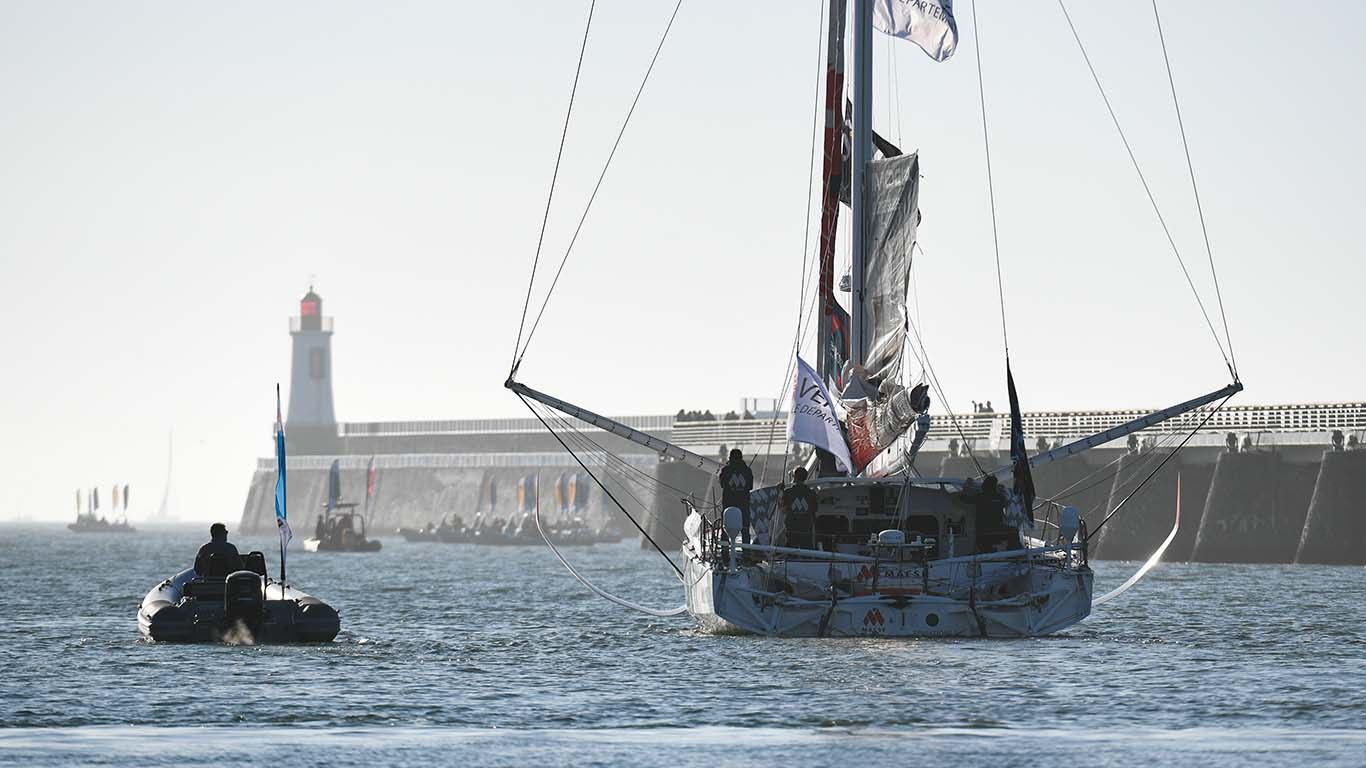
(601, 485)
(554, 176)
(1148, 190)
(798, 336)
(597, 186)
(991, 191)
(1195, 190)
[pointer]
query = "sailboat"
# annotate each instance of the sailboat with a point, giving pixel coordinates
(886, 551)
(163, 512)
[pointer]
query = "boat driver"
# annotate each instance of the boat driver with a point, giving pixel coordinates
(218, 545)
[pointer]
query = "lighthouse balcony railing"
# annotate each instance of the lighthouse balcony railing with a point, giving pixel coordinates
(310, 323)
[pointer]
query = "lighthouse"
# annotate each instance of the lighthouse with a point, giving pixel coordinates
(310, 378)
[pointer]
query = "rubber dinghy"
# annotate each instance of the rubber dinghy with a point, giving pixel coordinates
(241, 607)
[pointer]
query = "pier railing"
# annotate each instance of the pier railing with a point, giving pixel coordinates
(984, 430)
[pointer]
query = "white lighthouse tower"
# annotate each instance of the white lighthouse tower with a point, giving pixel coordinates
(310, 379)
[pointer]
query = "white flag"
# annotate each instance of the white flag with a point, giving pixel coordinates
(813, 419)
(927, 23)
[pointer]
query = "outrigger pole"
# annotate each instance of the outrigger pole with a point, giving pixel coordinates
(662, 447)
(1123, 430)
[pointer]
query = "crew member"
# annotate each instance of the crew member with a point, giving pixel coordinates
(799, 509)
(218, 545)
(737, 480)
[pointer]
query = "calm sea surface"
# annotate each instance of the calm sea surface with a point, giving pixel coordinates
(453, 654)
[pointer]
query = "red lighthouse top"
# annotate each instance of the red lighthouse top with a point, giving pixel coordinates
(311, 311)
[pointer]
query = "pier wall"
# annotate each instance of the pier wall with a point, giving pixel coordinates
(1144, 522)
(1255, 509)
(1335, 528)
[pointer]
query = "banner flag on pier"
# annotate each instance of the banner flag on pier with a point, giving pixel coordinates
(813, 420)
(927, 23)
(281, 521)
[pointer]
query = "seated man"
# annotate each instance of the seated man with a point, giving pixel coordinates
(218, 545)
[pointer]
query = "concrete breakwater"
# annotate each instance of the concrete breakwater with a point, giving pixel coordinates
(1335, 529)
(1256, 505)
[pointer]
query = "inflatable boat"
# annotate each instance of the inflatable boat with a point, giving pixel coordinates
(241, 607)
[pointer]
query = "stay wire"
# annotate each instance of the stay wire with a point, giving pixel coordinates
(991, 190)
(1146, 189)
(798, 336)
(601, 485)
(1195, 190)
(554, 176)
(598, 186)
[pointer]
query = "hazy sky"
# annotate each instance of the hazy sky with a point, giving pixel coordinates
(172, 174)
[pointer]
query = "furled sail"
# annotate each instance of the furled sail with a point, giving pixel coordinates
(879, 409)
(894, 189)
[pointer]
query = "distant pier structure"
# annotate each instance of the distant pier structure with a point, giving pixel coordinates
(1279, 483)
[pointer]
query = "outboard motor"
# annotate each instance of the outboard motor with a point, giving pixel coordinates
(242, 599)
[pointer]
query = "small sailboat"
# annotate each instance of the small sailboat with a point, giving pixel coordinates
(869, 545)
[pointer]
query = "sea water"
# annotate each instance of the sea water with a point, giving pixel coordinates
(457, 654)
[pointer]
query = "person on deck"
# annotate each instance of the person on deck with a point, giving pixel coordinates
(218, 545)
(737, 480)
(799, 508)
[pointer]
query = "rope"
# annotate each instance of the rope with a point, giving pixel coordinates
(991, 191)
(1195, 190)
(1148, 190)
(554, 176)
(596, 187)
(604, 594)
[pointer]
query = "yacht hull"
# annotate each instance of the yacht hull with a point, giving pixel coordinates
(744, 601)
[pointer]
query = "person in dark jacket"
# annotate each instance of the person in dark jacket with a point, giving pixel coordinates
(218, 545)
(799, 508)
(737, 480)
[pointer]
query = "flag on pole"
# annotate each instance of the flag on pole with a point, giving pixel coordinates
(1022, 507)
(281, 520)
(370, 479)
(813, 420)
(927, 23)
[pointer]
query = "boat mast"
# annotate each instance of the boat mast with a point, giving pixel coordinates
(861, 154)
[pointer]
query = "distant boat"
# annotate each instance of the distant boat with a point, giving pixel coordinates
(339, 528)
(88, 520)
